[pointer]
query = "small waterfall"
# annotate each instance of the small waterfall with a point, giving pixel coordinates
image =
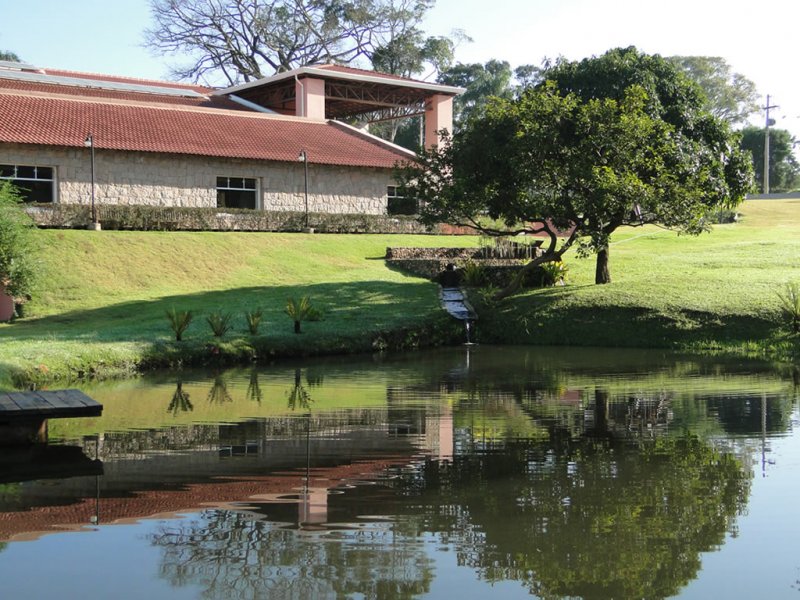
(468, 330)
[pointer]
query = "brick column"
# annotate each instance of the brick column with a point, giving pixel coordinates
(438, 116)
(310, 98)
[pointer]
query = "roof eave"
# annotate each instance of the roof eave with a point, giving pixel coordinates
(327, 74)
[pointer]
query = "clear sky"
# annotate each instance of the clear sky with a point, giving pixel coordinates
(759, 41)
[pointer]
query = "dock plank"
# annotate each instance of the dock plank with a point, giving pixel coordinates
(48, 404)
(7, 404)
(30, 401)
(70, 398)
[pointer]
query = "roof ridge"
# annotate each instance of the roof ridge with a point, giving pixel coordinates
(124, 78)
(155, 105)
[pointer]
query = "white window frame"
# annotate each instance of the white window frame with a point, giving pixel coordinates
(256, 190)
(53, 180)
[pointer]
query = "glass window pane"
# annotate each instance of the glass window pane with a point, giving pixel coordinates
(26, 172)
(222, 182)
(250, 184)
(44, 172)
(6, 170)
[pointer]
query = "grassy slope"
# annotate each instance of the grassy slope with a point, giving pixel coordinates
(102, 301)
(717, 290)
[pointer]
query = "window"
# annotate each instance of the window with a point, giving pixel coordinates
(399, 205)
(237, 192)
(35, 184)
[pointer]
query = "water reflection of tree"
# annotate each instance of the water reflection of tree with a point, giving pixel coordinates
(218, 394)
(254, 393)
(234, 556)
(180, 400)
(591, 518)
(298, 397)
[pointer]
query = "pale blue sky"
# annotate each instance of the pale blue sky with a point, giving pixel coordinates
(105, 36)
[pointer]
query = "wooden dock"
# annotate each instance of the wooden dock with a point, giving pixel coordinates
(24, 415)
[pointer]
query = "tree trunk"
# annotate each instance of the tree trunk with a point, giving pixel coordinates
(602, 274)
(297, 326)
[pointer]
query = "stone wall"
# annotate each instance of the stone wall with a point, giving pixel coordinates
(142, 178)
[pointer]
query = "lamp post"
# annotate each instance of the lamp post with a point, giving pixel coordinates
(89, 143)
(303, 158)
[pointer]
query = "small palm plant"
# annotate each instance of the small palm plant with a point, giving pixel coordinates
(179, 320)
(790, 305)
(300, 311)
(253, 318)
(219, 322)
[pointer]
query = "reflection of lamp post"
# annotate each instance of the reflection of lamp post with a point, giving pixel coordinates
(303, 158)
(89, 143)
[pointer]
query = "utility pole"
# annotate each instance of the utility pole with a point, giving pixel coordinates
(766, 145)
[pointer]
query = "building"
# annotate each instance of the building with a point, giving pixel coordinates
(279, 143)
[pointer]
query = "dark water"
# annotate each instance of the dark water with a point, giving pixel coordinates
(465, 473)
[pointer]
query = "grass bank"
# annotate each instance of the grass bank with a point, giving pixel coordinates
(100, 309)
(712, 293)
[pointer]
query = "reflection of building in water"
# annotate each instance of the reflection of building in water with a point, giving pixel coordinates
(432, 427)
(284, 459)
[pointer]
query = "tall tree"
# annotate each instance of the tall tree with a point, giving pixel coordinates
(243, 40)
(731, 96)
(620, 139)
(784, 170)
(10, 56)
(481, 81)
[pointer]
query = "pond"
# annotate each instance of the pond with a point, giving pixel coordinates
(470, 472)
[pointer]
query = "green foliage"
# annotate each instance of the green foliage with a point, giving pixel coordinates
(219, 322)
(18, 266)
(784, 170)
(790, 305)
(10, 56)
(554, 272)
(179, 321)
(301, 310)
(482, 82)
(473, 274)
(620, 139)
(731, 96)
(253, 318)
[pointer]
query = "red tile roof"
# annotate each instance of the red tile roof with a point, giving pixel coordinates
(153, 126)
(92, 92)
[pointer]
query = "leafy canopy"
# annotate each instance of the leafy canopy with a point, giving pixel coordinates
(731, 96)
(620, 139)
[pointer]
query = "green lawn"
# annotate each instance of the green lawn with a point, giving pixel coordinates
(101, 305)
(714, 291)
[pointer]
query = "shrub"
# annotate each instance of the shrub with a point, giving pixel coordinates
(553, 273)
(179, 320)
(790, 305)
(253, 318)
(473, 274)
(17, 245)
(300, 311)
(219, 322)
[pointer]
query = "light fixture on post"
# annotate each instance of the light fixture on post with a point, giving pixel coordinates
(95, 224)
(303, 158)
